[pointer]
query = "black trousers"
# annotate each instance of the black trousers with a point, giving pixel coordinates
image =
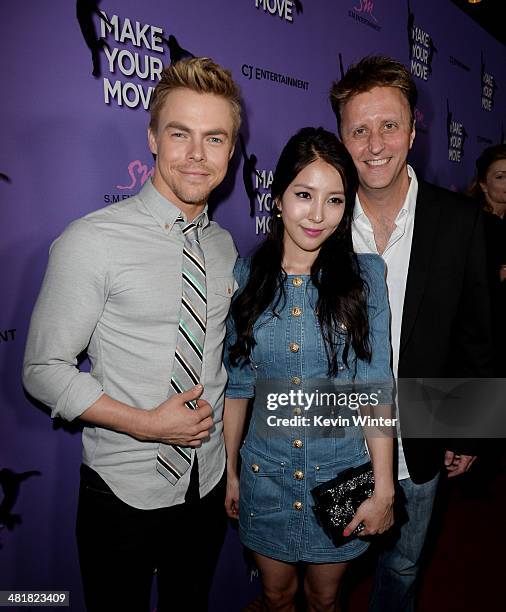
(120, 547)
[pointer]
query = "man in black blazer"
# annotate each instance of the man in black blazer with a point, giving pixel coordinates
(432, 242)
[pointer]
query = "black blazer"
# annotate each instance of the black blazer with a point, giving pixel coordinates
(446, 316)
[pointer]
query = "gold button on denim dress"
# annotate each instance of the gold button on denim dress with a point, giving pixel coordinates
(283, 456)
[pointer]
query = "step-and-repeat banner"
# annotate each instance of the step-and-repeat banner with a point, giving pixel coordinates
(77, 79)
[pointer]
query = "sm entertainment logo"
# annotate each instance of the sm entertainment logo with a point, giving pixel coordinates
(363, 12)
(138, 173)
(366, 7)
(420, 121)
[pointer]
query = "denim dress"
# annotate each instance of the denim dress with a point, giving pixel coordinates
(281, 464)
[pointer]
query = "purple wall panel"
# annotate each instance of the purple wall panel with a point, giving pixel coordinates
(67, 152)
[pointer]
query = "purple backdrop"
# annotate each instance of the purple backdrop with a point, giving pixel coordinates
(72, 142)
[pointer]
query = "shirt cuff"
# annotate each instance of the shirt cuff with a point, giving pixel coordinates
(240, 391)
(83, 391)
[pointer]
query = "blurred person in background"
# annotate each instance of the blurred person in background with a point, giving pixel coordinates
(489, 188)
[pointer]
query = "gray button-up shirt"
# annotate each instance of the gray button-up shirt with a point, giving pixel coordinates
(113, 287)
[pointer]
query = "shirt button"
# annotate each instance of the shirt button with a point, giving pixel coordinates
(167, 226)
(297, 505)
(297, 281)
(294, 347)
(298, 443)
(296, 311)
(295, 380)
(255, 468)
(298, 475)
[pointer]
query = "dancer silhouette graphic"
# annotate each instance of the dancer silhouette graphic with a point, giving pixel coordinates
(432, 50)
(411, 40)
(341, 67)
(449, 121)
(248, 172)
(176, 52)
(492, 84)
(10, 483)
(449, 116)
(85, 9)
(411, 25)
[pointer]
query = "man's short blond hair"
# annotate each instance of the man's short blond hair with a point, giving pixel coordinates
(202, 75)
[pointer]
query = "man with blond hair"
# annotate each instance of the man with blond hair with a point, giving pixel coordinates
(433, 245)
(145, 286)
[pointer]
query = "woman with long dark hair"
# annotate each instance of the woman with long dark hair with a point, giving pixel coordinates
(308, 313)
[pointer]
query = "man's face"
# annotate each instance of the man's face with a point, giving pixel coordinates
(193, 145)
(376, 129)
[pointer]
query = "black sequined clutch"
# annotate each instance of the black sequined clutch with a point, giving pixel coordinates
(337, 500)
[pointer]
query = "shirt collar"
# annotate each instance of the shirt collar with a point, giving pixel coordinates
(409, 204)
(163, 211)
(410, 201)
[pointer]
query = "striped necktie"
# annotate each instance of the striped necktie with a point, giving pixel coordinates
(172, 460)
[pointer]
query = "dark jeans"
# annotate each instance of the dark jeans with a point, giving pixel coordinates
(398, 564)
(120, 547)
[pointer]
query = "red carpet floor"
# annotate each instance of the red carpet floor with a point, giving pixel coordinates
(465, 556)
(465, 560)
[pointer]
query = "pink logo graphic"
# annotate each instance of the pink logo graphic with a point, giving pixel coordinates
(137, 171)
(367, 7)
(420, 118)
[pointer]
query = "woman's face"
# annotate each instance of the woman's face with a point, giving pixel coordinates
(494, 187)
(312, 207)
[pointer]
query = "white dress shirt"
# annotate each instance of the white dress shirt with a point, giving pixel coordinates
(396, 256)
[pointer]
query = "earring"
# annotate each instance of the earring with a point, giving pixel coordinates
(278, 215)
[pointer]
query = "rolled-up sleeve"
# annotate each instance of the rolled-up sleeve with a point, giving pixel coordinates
(69, 305)
(241, 378)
